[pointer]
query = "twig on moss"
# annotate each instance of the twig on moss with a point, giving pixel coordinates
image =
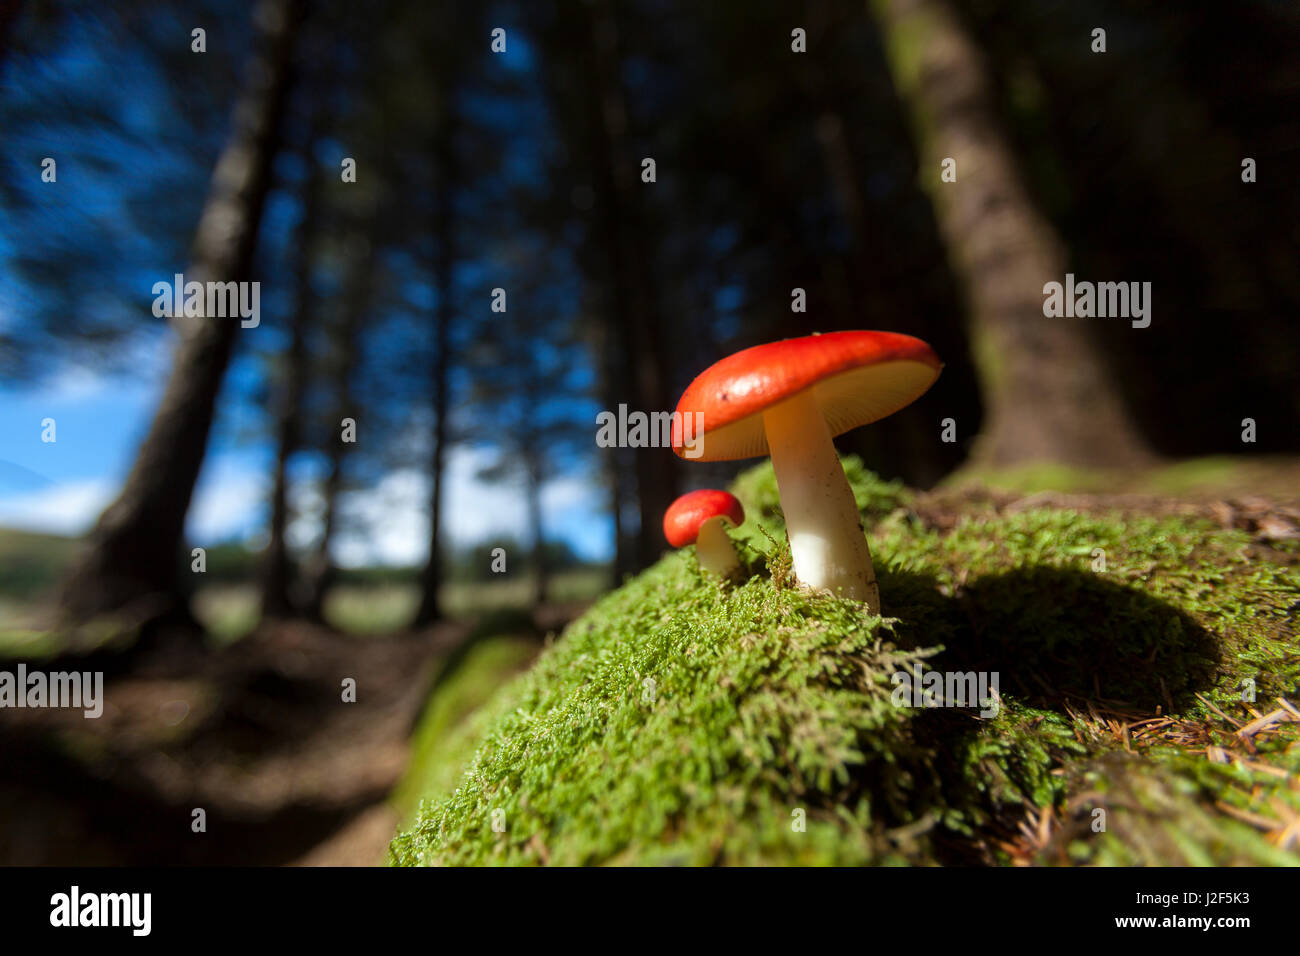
(1285, 714)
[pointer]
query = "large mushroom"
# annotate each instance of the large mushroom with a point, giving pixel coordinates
(788, 400)
(702, 517)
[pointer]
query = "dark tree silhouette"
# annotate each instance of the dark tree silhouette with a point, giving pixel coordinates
(341, 371)
(132, 561)
(9, 10)
(277, 567)
(445, 227)
(631, 308)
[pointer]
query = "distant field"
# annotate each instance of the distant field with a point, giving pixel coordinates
(230, 611)
(31, 565)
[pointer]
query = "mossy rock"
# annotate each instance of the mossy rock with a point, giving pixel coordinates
(680, 721)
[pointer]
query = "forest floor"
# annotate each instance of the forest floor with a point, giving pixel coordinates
(257, 734)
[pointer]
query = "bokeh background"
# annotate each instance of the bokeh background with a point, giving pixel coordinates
(796, 145)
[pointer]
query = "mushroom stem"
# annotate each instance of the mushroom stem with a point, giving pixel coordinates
(714, 549)
(827, 544)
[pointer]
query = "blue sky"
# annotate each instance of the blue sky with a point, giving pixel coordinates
(161, 142)
(62, 486)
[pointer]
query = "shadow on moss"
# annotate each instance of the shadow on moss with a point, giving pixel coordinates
(1060, 635)
(1059, 640)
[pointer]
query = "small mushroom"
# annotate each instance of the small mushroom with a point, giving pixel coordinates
(789, 399)
(703, 517)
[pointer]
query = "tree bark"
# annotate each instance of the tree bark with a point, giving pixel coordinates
(1049, 394)
(131, 565)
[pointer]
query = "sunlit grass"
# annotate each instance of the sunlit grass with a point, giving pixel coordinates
(230, 612)
(1230, 476)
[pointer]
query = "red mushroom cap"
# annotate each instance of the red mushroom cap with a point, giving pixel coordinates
(858, 378)
(684, 516)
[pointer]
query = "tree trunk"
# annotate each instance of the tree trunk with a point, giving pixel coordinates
(1048, 392)
(322, 572)
(633, 306)
(8, 17)
(622, 563)
(541, 570)
(430, 608)
(131, 565)
(277, 568)
(605, 339)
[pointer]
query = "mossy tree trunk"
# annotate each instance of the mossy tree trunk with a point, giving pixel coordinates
(131, 566)
(1048, 392)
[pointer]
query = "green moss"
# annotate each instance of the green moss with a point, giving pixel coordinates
(1166, 809)
(1223, 475)
(438, 747)
(757, 490)
(680, 721)
(1198, 473)
(26, 644)
(1034, 477)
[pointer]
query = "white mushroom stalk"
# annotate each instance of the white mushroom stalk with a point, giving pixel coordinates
(714, 548)
(788, 400)
(827, 543)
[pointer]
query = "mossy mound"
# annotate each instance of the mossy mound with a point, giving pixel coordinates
(465, 683)
(681, 721)
(1175, 808)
